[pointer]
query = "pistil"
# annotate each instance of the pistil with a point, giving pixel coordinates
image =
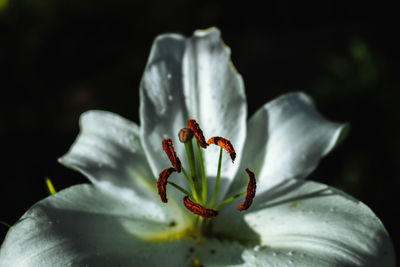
(192, 164)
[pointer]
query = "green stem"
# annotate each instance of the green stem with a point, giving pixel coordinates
(5, 224)
(191, 184)
(226, 201)
(216, 188)
(203, 176)
(180, 188)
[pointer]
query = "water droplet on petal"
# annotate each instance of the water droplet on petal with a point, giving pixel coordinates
(170, 98)
(169, 76)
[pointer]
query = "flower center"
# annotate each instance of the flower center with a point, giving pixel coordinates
(196, 200)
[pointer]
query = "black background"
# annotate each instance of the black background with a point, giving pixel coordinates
(60, 58)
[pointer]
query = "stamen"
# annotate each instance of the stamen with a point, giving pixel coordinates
(162, 183)
(198, 209)
(225, 144)
(169, 150)
(198, 133)
(251, 192)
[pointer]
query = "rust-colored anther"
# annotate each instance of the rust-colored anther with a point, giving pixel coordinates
(169, 150)
(162, 183)
(199, 209)
(198, 133)
(185, 135)
(225, 144)
(251, 192)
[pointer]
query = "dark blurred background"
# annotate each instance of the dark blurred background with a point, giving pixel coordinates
(60, 58)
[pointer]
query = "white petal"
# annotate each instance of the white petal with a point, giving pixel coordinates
(84, 226)
(312, 225)
(108, 151)
(286, 139)
(192, 78)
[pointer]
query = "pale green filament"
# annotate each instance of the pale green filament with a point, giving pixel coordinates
(216, 188)
(203, 176)
(180, 188)
(226, 201)
(191, 184)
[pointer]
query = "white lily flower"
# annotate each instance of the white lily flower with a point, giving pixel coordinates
(119, 220)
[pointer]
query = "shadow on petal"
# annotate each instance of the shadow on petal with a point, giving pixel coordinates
(55, 237)
(266, 199)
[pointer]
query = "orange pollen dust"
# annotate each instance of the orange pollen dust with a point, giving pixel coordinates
(198, 133)
(225, 144)
(169, 150)
(162, 183)
(198, 209)
(251, 192)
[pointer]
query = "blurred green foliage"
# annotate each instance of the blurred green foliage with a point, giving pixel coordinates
(3, 5)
